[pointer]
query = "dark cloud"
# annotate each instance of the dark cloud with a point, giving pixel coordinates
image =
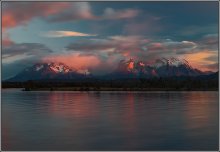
(116, 48)
(209, 41)
(23, 51)
(91, 45)
(77, 11)
(18, 56)
(103, 55)
(83, 11)
(180, 47)
(18, 13)
(12, 68)
(131, 46)
(145, 24)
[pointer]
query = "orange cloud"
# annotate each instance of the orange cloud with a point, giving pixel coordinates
(200, 59)
(75, 61)
(65, 34)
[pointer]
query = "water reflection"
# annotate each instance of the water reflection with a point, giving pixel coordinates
(198, 115)
(72, 105)
(109, 120)
(5, 135)
(201, 116)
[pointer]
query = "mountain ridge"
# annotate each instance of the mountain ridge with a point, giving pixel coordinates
(163, 67)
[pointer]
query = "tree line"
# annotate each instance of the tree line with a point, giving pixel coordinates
(170, 83)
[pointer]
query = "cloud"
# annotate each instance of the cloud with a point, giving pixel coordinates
(130, 39)
(75, 60)
(76, 11)
(18, 56)
(24, 51)
(110, 13)
(203, 60)
(212, 67)
(181, 47)
(133, 46)
(80, 61)
(53, 34)
(6, 59)
(83, 11)
(20, 13)
(6, 41)
(102, 55)
(106, 43)
(142, 48)
(209, 41)
(145, 24)
(91, 45)
(11, 68)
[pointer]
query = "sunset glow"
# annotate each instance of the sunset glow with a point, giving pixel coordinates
(201, 59)
(110, 75)
(90, 35)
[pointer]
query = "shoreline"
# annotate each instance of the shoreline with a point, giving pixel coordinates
(112, 89)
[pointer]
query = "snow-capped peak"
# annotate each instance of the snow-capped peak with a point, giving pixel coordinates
(59, 67)
(171, 62)
(55, 67)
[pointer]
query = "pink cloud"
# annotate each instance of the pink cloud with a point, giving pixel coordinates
(18, 13)
(75, 61)
(6, 41)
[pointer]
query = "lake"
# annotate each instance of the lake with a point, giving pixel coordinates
(44, 120)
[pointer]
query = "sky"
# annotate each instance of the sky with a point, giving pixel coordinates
(95, 36)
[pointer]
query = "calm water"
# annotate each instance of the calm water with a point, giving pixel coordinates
(109, 120)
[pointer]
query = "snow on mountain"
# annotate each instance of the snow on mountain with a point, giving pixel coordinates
(39, 67)
(50, 70)
(171, 62)
(59, 67)
(164, 67)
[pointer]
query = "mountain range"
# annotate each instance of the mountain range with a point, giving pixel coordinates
(163, 67)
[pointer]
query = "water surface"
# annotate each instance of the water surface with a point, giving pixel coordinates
(109, 120)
